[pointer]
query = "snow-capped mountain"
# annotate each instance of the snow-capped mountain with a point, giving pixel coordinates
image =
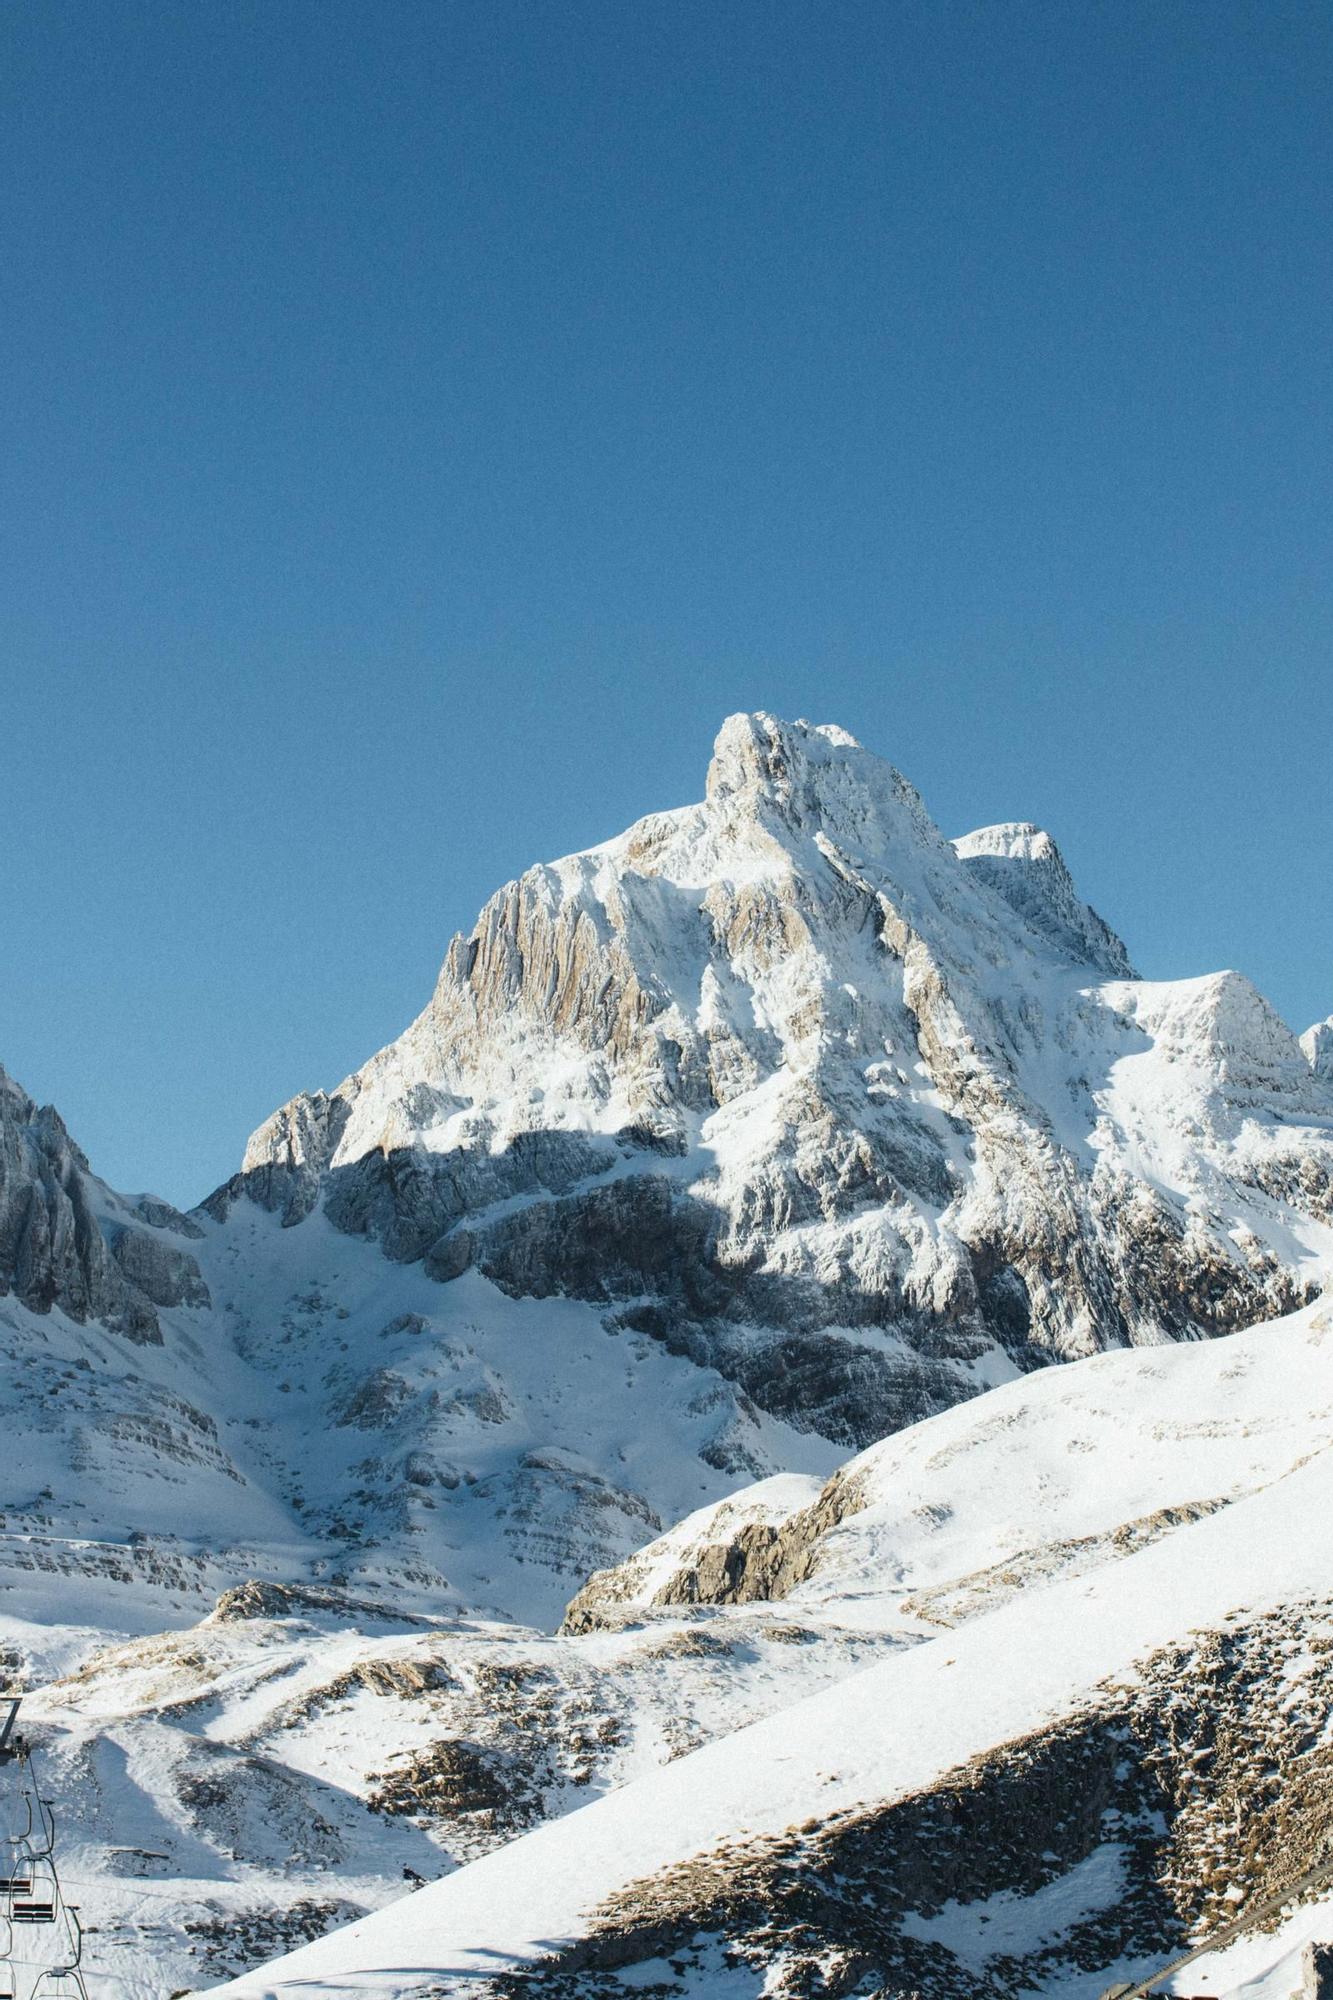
(771, 1130)
(862, 1118)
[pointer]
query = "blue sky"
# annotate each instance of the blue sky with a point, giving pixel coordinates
(424, 422)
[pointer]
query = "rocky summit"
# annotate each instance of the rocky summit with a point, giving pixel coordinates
(644, 1365)
(861, 1118)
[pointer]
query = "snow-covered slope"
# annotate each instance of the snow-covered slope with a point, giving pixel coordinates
(1045, 1795)
(297, 1758)
(1055, 1476)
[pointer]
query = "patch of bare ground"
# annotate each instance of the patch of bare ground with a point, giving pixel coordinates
(228, 1942)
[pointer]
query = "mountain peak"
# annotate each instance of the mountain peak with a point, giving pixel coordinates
(1024, 866)
(1317, 1044)
(816, 779)
(759, 753)
(759, 748)
(68, 1241)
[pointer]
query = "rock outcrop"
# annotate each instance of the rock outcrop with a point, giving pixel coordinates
(66, 1241)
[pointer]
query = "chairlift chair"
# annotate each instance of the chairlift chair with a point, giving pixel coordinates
(41, 1904)
(56, 1983)
(64, 1981)
(36, 1838)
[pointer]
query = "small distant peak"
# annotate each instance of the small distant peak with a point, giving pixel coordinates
(841, 739)
(1317, 1048)
(1011, 840)
(1023, 865)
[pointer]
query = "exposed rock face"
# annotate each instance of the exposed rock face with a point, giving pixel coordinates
(1317, 1972)
(166, 1275)
(862, 1118)
(67, 1241)
(752, 1550)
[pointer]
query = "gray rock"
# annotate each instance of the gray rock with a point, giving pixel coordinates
(164, 1274)
(52, 1250)
(1317, 1972)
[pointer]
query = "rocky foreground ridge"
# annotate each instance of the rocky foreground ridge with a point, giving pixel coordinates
(1094, 1730)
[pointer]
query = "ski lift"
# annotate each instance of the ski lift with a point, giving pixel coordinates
(41, 1904)
(29, 1885)
(40, 1839)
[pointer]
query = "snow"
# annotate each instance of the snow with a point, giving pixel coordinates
(976, 1932)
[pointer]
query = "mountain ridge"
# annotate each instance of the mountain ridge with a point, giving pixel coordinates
(930, 1143)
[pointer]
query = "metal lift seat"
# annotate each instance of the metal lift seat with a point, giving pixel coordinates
(41, 1904)
(64, 1981)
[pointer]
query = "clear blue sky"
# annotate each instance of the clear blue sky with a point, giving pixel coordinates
(424, 421)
